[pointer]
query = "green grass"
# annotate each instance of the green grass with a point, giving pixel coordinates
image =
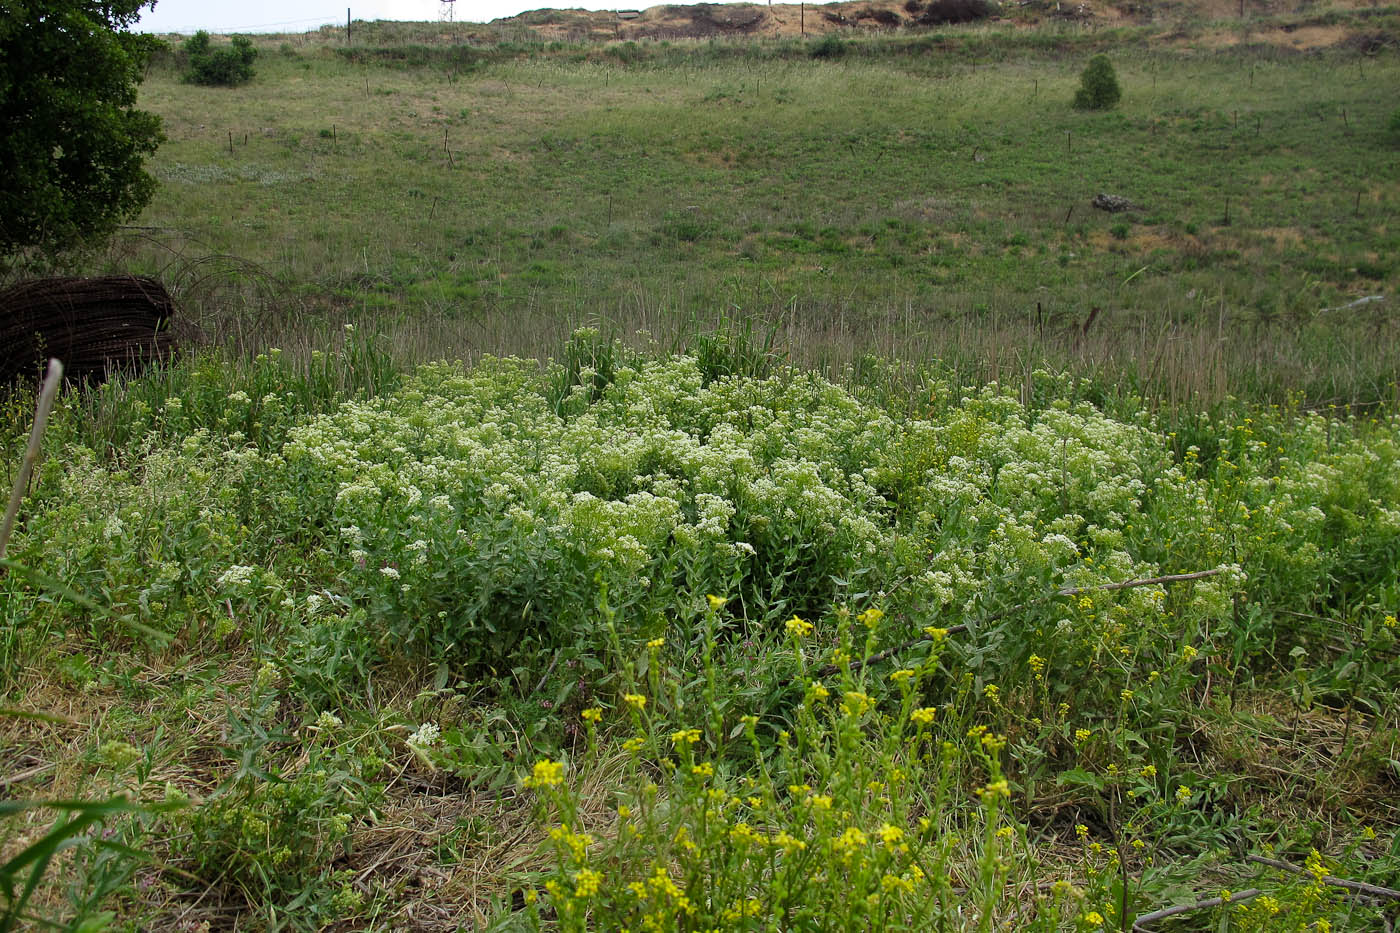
(666, 627)
(904, 200)
(334, 630)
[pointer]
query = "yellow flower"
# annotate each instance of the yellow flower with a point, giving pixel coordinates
(817, 691)
(547, 774)
(871, 617)
(716, 602)
(577, 843)
(889, 834)
(995, 790)
(936, 633)
(788, 843)
(1188, 653)
(1183, 794)
(1126, 695)
(1389, 621)
(634, 744)
(1037, 664)
(901, 675)
(1086, 602)
(685, 737)
(1093, 918)
(587, 882)
(821, 801)
(656, 643)
(1082, 735)
(703, 769)
(856, 703)
(1081, 831)
(1148, 771)
(852, 838)
(992, 692)
(592, 714)
(634, 700)
(923, 716)
(798, 628)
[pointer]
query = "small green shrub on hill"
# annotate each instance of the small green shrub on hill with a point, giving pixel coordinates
(1098, 86)
(222, 66)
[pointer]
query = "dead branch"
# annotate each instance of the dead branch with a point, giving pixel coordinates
(1140, 923)
(1359, 887)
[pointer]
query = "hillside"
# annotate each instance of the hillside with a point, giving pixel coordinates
(707, 20)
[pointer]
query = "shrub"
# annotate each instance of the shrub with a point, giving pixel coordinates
(943, 12)
(829, 46)
(1098, 86)
(228, 66)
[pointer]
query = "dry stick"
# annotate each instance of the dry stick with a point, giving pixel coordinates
(31, 454)
(28, 773)
(1063, 591)
(1360, 887)
(1140, 922)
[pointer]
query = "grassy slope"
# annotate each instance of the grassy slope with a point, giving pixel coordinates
(914, 202)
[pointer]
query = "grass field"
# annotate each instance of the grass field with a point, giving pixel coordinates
(878, 584)
(911, 198)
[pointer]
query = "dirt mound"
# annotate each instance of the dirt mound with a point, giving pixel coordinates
(714, 20)
(707, 20)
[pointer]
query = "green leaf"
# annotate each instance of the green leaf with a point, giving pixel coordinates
(1078, 777)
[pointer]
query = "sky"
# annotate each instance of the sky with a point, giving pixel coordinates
(305, 15)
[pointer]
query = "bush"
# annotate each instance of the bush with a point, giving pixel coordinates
(1098, 86)
(223, 66)
(828, 46)
(943, 12)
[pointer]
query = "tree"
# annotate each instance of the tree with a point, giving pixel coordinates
(227, 66)
(72, 143)
(1098, 85)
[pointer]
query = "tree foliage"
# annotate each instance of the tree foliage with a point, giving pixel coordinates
(228, 66)
(72, 142)
(1098, 85)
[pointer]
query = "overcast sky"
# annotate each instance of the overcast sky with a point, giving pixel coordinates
(304, 15)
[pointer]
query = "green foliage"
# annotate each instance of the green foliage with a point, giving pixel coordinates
(29, 864)
(1393, 127)
(228, 66)
(829, 46)
(660, 569)
(274, 836)
(72, 142)
(1098, 86)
